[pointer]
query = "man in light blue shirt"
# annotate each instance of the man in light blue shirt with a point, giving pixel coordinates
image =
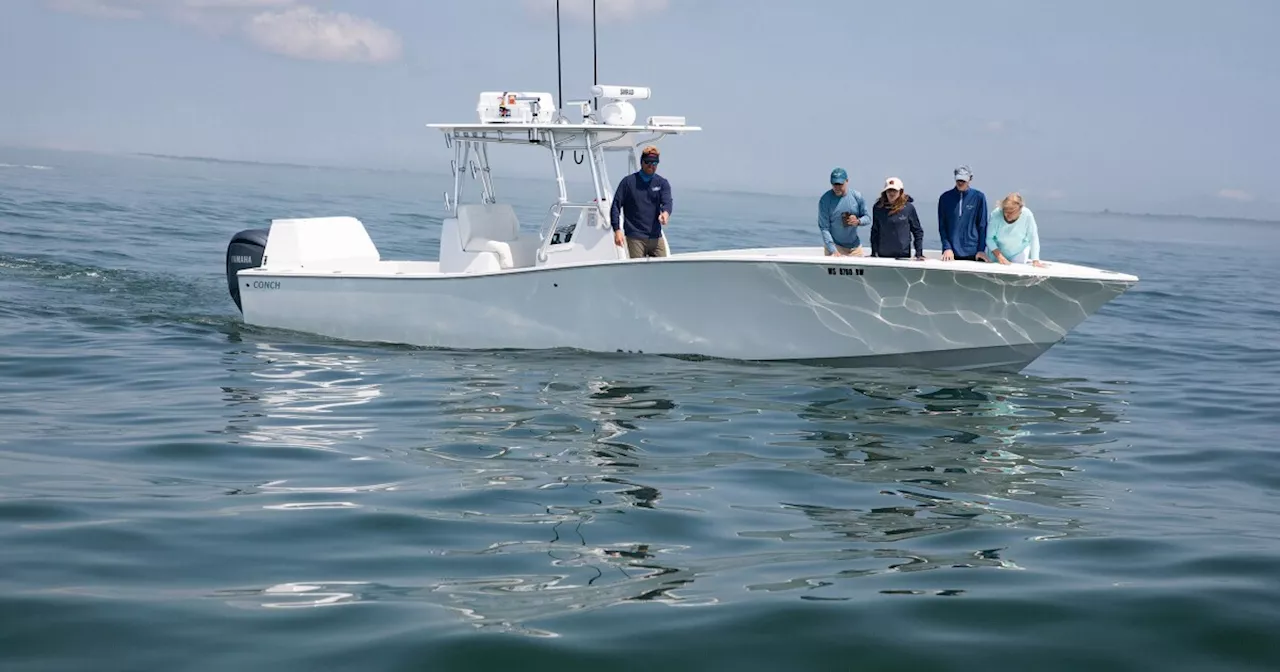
(841, 211)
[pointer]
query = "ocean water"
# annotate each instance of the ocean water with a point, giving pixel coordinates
(179, 491)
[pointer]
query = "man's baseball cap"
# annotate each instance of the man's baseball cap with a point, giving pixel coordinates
(963, 173)
(838, 176)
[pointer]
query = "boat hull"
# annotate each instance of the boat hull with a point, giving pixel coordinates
(837, 312)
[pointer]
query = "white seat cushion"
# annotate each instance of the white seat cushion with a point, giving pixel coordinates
(489, 221)
(489, 227)
(498, 247)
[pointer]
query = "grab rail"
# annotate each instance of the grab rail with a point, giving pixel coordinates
(555, 212)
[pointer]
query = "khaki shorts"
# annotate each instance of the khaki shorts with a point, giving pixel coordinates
(644, 247)
(857, 251)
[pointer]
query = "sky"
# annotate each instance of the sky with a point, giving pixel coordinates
(1162, 107)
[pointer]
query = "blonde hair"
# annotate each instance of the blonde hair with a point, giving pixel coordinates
(1014, 198)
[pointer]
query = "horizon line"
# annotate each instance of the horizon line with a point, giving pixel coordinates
(722, 190)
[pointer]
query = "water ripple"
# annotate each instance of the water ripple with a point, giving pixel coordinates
(172, 481)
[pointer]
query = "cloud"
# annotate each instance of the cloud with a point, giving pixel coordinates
(111, 9)
(1235, 195)
(284, 27)
(234, 4)
(606, 10)
(303, 32)
(132, 9)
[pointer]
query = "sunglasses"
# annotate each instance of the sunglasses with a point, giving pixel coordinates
(649, 162)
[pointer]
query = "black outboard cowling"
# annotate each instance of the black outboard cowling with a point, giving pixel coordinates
(244, 251)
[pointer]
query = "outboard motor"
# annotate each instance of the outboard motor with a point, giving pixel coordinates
(244, 251)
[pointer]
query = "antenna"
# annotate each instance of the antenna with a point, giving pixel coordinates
(595, 59)
(559, 76)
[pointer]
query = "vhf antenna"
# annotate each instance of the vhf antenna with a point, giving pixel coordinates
(595, 59)
(559, 76)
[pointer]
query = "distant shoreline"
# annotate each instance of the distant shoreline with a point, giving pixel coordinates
(279, 164)
(1093, 213)
(1106, 212)
(1157, 215)
(716, 190)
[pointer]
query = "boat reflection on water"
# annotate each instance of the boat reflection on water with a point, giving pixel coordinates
(677, 482)
(300, 399)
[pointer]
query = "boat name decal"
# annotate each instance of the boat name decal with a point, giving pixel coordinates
(266, 284)
(833, 270)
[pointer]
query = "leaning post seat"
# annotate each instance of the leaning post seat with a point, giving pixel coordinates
(489, 227)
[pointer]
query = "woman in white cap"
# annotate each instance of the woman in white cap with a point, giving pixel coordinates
(895, 226)
(1012, 237)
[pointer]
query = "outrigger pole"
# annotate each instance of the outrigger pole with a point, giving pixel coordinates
(595, 59)
(559, 75)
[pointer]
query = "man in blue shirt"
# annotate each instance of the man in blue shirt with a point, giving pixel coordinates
(644, 199)
(962, 220)
(841, 211)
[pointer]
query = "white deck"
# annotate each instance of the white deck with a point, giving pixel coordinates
(785, 255)
(932, 261)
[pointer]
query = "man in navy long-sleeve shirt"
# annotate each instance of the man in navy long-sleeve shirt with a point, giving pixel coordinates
(644, 200)
(962, 220)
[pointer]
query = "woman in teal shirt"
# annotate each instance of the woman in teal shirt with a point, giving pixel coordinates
(1011, 234)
